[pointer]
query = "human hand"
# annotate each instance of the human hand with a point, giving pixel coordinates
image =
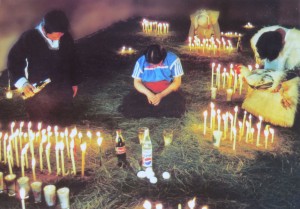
(75, 89)
(28, 90)
(150, 97)
(157, 99)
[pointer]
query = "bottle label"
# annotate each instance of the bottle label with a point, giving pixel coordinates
(120, 150)
(147, 159)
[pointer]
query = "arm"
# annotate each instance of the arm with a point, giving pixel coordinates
(139, 86)
(174, 86)
(16, 65)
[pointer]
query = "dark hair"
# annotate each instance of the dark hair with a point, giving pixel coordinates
(269, 45)
(56, 21)
(155, 54)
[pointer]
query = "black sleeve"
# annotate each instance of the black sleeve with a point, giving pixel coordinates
(76, 68)
(17, 60)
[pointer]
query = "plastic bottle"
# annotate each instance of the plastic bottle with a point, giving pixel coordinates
(146, 151)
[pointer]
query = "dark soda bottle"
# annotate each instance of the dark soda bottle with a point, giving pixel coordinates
(120, 149)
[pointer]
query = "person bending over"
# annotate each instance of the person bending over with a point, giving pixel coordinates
(157, 80)
(275, 88)
(46, 52)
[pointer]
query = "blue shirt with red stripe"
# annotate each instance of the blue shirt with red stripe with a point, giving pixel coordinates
(171, 67)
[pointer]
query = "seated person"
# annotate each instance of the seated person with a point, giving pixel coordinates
(157, 78)
(275, 95)
(204, 24)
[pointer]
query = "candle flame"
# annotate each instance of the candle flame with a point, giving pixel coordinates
(99, 141)
(39, 126)
(205, 207)
(89, 134)
(159, 206)
(21, 124)
(205, 113)
(29, 125)
(83, 147)
(62, 134)
(192, 203)
(147, 204)
(79, 135)
(236, 108)
(12, 125)
(48, 128)
(266, 132)
(271, 131)
(33, 162)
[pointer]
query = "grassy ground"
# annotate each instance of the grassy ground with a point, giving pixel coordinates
(251, 177)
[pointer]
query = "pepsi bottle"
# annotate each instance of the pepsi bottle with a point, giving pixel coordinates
(146, 150)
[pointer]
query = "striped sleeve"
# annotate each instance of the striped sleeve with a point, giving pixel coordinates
(176, 68)
(137, 71)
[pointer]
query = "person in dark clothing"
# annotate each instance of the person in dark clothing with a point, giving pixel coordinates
(46, 52)
(157, 79)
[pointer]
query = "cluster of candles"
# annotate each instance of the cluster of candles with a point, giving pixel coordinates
(15, 145)
(228, 79)
(248, 26)
(244, 129)
(191, 205)
(36, 188)
(126, 50)
(210, 46)
(231, 34)
(155, 27)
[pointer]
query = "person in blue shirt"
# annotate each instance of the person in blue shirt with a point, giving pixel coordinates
(157, 80)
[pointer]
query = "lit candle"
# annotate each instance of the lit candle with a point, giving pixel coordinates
(212, 74)
(214, 119)
(9, 159)
(62, 146)
(236, 109)
(22, 196)
(29, 128)
(147, 204)
(48, 157)
(89, 135)
(205, 119)
(229, 95)
(99, 142)
(240, 130)
(11, 150)
(26, 156)
(266, 132)
(57, 158)
(72, 156)
(224, 78)
(41, 149)
(247, 131)
(258, 133)
(158, 206)
(21, 126)
(5, 147)
(231, 126)
(80, 137)
(272, 134)
(83, 150)
(67, 142)
(234, 138)
(192, 203)
(12, 125)
(244, 121)
(23, 161)
(33, 169)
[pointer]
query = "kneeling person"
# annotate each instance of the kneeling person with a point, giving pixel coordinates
(157, 79)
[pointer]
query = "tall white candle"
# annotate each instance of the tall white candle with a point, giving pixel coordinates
(272, 134)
